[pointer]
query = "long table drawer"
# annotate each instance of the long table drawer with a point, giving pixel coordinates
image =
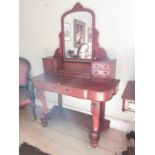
(72, 91)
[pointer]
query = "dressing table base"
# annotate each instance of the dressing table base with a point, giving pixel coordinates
(99, 123)
(97, 93)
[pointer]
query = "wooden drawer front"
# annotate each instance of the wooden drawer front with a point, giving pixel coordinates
(104, 73)
(103, 69)
(103, 66)
(72, 92)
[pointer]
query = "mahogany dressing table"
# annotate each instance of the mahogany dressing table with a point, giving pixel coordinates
(79, 68)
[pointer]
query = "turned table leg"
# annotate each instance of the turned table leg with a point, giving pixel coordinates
(60, 102)
(104, 122)
(94, 133)
(44, 110)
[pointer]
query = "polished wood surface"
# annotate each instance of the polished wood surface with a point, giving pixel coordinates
(76, 67)
(77, 87)
(77, 77)
(97, 92)
(129, 91)
(103, 69)
(128, 96)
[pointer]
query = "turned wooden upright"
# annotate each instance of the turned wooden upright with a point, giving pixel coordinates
(92, 78)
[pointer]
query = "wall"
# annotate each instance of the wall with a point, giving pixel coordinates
(40, 26)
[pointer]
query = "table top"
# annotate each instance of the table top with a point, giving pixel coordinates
(129, 91)
(77, 82)
(77, 87)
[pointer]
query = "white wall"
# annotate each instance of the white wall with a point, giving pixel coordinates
(40, 26)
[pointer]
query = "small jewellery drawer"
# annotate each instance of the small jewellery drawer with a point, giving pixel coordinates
(100, 66)
(101, 72)
(103, 69)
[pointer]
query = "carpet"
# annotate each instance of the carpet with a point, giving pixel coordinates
(26, 149)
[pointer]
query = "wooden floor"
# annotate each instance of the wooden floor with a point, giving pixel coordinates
(68, 135)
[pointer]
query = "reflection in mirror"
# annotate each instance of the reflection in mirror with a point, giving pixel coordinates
(78, 35)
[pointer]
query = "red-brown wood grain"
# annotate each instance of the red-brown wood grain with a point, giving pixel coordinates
(97, 92)
(79, 78)
(129, 91)
(128, 95)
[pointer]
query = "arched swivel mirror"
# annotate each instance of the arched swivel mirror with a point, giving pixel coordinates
(77, 34)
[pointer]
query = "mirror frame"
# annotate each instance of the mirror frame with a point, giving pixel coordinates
(78, 8)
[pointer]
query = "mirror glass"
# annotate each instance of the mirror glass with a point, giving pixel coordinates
(78, 35)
